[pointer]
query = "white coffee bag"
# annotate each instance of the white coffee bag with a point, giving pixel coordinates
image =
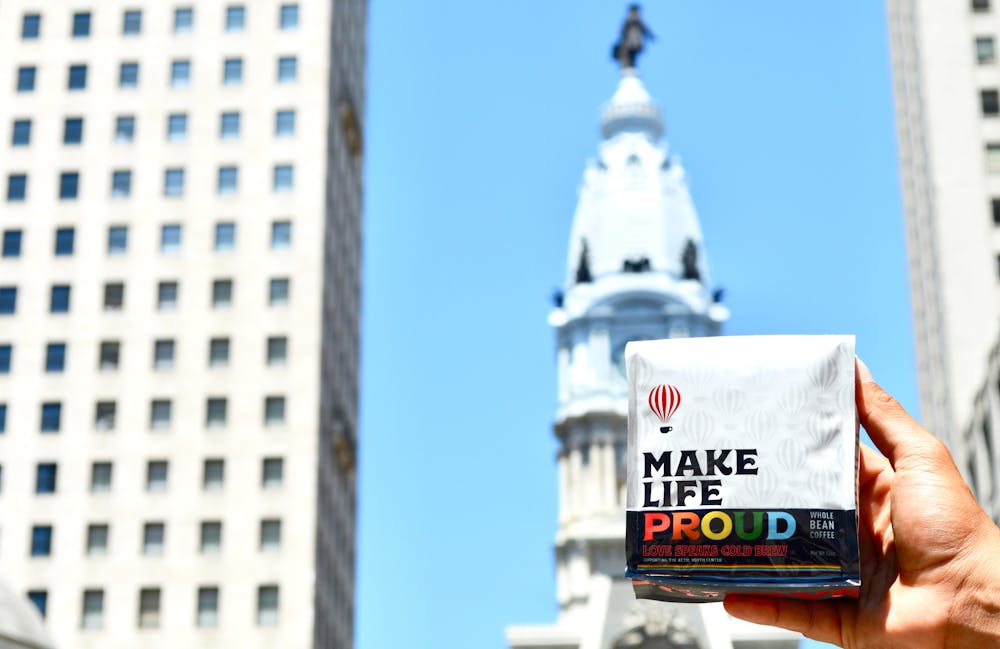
(742, 467)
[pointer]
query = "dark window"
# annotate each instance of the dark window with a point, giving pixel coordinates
(51, 416)
(3, 417)
(45, 478)
(41, 540)
(124, 128)
(990, 100)
(183, 20)
(17, 187)
(81, 24)
(31, 26)
(117, 239)
(114, 296)
(128, 75)
(996, 211)
(980, 5)
(21, 133)
(59, 299)
(69, 185)
(132, 22)
(284, 123)
(77, 77)
(64, 241)
(8, 300)
(289, 16)
(121, 183)
(55, 357)
(235, 18)
(26, 78)
(73, 130)
(5, 354)
(39, 598)
(107, 358)
(11, 243)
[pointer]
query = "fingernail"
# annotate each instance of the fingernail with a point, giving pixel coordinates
(864, 374)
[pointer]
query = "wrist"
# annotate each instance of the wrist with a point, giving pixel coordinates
(975, 615)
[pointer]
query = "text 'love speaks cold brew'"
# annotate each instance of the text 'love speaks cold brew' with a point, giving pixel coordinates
(742, 467)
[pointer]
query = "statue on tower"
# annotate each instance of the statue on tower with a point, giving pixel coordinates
(633, 36)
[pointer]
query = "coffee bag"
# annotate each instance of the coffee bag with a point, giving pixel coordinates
(742, 467)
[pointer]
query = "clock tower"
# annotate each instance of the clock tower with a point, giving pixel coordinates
(636, 269)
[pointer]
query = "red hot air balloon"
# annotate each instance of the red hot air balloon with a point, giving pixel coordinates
(664, 401)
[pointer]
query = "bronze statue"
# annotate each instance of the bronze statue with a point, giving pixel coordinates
(630, 43)
(689, 259)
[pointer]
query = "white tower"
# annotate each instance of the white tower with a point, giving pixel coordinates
(636, 270)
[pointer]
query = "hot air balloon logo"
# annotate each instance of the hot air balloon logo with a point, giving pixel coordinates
(664, 401)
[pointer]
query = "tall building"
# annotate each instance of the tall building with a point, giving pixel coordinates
(179, 285)
(636, 270)
(944, 61)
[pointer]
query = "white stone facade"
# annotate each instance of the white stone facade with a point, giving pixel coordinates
(198, 488)
(636, 270)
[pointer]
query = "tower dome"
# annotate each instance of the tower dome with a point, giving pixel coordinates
(631, 109)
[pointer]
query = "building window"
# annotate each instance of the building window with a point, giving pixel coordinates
(104, 415)
(21, 133)
(225, 236)
(166, 296)
(26, 78)
(11, 246)
(170, 239)
(277, 350)
(41, 540)
(55, 357)
(211, 537)
(283, 178)
(5, 354)
(270, 535)
(51, 417)
(274, 411)
(173, 182)
(132, 22)
(288, 17)
(215, 412)
(124, 128)
(93, 609)
(228, 180)
(100, 477)
(121, 183)
(152, 539)
(232, 71)
(81, 24)
(149, 608)
(73, 130)
(59, 299)
(17, 187)
(985, 49)
(177, 127)
(31, 26)
(284, 123)
(77, 77)
(281, 234)
(267, 605)
(156, 475)
(980, 5)
(213, 475)
(180, 73)
(287, 69)
(229, 125)
(117, 239)
(65, 238)
(993, 157)
(8, 300)
(990, 101)
(69, 185)
(277, 291)
(97, 540)
(163, 354)
(183, 20)
(128, 75)
(235, 18)
(45, 478)
(222, 293)
(272, 473)
(159, 414)
(218, 352)
(108, 355)
(39, 598)
(114, 296)
(3, 424)
(208, 606)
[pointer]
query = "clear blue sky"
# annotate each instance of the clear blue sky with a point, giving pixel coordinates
(480, 116)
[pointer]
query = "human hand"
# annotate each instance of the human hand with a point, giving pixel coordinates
(930, 556)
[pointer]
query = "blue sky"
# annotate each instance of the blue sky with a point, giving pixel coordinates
(479, 119)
